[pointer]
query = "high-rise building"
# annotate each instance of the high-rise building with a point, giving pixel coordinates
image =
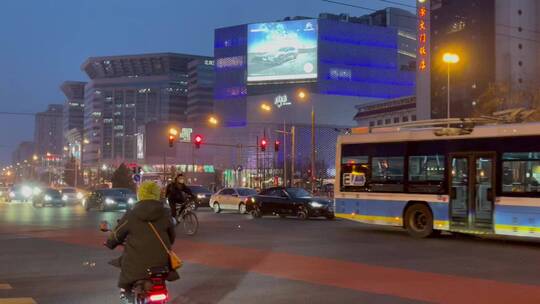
(497, 42)
(48, 132)
(125, 92)
(73, 111)
(200, 89)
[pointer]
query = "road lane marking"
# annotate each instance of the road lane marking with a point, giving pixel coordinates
(17, 301)
(5, 286)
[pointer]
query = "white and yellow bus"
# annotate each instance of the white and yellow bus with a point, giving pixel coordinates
(479, 180)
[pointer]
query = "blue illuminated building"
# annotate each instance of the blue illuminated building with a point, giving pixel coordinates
(359, 60)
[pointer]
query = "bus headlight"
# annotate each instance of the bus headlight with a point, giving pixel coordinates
(109, 201)
(64, 197)
(131, 201)
(47, 198)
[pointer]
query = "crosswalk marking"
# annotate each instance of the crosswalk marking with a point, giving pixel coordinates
(17, 301)
(5, 286)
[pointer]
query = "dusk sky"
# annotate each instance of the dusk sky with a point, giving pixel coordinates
(44, 42)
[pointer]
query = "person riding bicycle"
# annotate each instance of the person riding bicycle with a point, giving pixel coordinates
(142, 249)
(177, 193)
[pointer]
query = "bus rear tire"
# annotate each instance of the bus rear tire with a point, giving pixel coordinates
(419, 221)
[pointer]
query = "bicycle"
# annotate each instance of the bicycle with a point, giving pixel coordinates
(188, 219)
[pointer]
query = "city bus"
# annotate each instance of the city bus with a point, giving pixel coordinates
(477, 179)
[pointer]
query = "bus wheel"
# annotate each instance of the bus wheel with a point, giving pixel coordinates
(419, 221)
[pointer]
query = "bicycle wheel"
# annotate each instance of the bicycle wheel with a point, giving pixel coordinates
(190, 223)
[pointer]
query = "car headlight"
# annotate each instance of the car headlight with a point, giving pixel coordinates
(47, 198)
(109, 201)
(36, 191)
(131, 201)
(64, 197)
(201, 196)
(26, 191)
(316, 204)
(12, 194)
(79, 195)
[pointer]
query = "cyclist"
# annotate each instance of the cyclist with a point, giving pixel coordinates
(177, 193)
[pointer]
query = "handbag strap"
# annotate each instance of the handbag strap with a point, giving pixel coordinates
(159, 237)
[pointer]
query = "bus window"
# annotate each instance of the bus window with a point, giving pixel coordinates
(426, 174)
(521, 172)
(354, 173)
(387, 174)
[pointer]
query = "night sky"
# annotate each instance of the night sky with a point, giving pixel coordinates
(44, 42)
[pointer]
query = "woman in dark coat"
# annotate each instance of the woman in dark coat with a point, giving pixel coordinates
(142, 248)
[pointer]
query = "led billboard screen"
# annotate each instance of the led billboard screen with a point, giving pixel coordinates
(280, 51)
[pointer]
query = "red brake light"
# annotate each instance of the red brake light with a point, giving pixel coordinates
(157, 297)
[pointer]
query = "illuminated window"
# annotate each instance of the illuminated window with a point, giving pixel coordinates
(230, 62)
(340, 74)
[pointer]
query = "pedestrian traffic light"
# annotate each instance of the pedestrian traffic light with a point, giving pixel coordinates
(276, 145)
(264, 143)
(198, 141)
(173, 133)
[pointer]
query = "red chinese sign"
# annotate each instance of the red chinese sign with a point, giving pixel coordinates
(422, 36)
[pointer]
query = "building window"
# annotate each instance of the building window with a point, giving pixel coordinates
(520, 46)
(520, 63)
(387, 121)
(371, 123)
(396, 119)
(520, 29)
(340, 74)
(405, 118)
(413, 117)
(520, 80)
(520, 12)
(379, 122)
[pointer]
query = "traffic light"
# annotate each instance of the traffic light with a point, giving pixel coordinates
(173, 133)
(276, 145)
(198, 141)
(264, 143)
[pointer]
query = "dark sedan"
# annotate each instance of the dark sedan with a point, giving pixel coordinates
(289, 202)
(48, 197)
(110, 199)
(202, 195)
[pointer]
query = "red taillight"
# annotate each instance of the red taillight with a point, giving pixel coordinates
(157, 297)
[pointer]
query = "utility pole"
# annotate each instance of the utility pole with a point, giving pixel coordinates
(293, 153)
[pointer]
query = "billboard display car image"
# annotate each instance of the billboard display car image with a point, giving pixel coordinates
(282, 50)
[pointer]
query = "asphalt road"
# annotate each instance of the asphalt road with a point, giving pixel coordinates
(54, 255)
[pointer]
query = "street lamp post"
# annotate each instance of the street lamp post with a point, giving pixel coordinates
(449, 58)
(303, 96)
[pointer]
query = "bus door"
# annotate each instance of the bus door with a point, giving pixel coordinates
(472, 191)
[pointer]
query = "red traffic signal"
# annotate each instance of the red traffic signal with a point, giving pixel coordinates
(264, 143)
(276, 145)
(171, 140)
(198, 141)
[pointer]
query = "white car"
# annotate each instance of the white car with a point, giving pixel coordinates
(231, 199)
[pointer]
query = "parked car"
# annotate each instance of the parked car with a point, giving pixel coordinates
(289, 202)
(71, 195)
(202, 195)
(110, 199)
(231, 199)
(48, 197)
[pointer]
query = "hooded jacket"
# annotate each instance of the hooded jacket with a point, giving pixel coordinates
(142, 247)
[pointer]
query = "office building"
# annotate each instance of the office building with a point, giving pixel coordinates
(24, 152)
(48, 132)
(73, 116)
(497, 42)
(200, 101)
(125, 92)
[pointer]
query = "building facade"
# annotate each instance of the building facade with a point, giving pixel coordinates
(497, 42)
(48, 130)
(200, 100)
(386, 112)
(73, 116)
(24, 152)
(336, 59)
(125, 92)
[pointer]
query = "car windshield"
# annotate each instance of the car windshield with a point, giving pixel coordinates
(52, 192)
(199, 189)
(298, 192)
(246, 192)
